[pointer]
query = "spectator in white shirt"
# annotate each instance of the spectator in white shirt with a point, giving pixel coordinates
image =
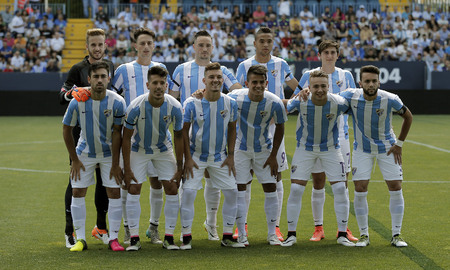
(17, 61)
(57, 43)
(214, 14)
(168, 15)
(361, 13)
(416, 13)
(32, 32)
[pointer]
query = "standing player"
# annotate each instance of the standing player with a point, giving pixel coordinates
(212, 140)
(372, 110)
(101, 119)
(146, 139)
(132, 78)
(78, 75)
(317, 138)
(278, 73)
(255, 150)
(188, 78)
(338, 81)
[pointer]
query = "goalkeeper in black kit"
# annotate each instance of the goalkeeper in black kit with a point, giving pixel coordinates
(74, 88)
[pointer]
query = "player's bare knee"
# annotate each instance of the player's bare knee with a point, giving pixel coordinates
(155, 183)
(242, 187)
(271, 187)
(135, 189)
(299, 182)
(170, 188)
(79, 192)
(394, 185)
(113, 193)
(318, 180)
(361, 186)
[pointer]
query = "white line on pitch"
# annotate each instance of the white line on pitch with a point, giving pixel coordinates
(28, 170)
(35, 142)
(429, 146)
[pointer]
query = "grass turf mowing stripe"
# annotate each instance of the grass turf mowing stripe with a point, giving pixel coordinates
(411, 252)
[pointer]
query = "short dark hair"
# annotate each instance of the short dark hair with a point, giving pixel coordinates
(157, 70)
(257, 70)
(263, 30)
(318, 74)
(327, 44)
(143, 31)
(202, 33)
(212, 66)
(369, 69)
(98, 65)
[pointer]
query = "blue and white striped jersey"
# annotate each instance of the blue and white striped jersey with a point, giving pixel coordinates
(254, 119)
(372, 120)
(96, 118)
(132, 77)
(339, 81)
(209, 125)
(188, 78)
(317, 125)
(278, 72)
(151, 124)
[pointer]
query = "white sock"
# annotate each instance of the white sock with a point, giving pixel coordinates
(229, 210)
(114, 217)
(280, 194)
(187, 210)
(362, 212)
(156, 205)
(294, 206)
(212, 202)
(123, 198)
(248, 198)
(317, 203)
(396, 207)
(271, 208)
(78, 208)
(241, 212)
(341, 205)
(133, 213)
(171, 213)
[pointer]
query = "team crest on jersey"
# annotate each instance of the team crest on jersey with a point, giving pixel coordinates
(263, 113)
(107, 112)
(329, 116)
(224, 113)
(353, 170)
(166, 118)
(380, 112)
(293, 168)
(274, 73)
(339, 83)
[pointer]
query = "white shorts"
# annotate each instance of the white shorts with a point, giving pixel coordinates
(164, 165)
(246, 160)
(219, 177)
(87, 176)
(363, 164)
(281, 155)
(150, 169)
(303, 163)
(345, 151)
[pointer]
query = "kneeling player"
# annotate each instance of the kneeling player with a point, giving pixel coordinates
(101, 119)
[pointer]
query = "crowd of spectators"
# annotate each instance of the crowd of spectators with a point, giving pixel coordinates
(31, 39)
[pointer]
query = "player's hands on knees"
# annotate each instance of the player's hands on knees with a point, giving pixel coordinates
(117, 173)
(128, 176)
(189, 165)
(81, 94)
(229, 161)
(198, 94)
(177, 178)
(75, 169)
(273, 163)
(397, 152)
(303, 95)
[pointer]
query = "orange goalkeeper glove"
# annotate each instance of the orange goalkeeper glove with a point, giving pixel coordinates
(80, 94)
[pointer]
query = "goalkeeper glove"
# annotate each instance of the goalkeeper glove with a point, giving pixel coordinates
(80, 94)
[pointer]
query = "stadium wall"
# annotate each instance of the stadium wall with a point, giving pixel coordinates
(27, 94)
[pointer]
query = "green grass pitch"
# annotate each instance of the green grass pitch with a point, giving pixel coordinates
(34, 174)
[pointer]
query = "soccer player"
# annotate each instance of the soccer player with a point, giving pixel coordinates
(278, 73)
(145, 139)
(78, 76)
(338, 81)
(132, 78)
(101, 119)
(372, 110)
(317, 139)
(255, 149)
(188, 78)
(211, 147)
